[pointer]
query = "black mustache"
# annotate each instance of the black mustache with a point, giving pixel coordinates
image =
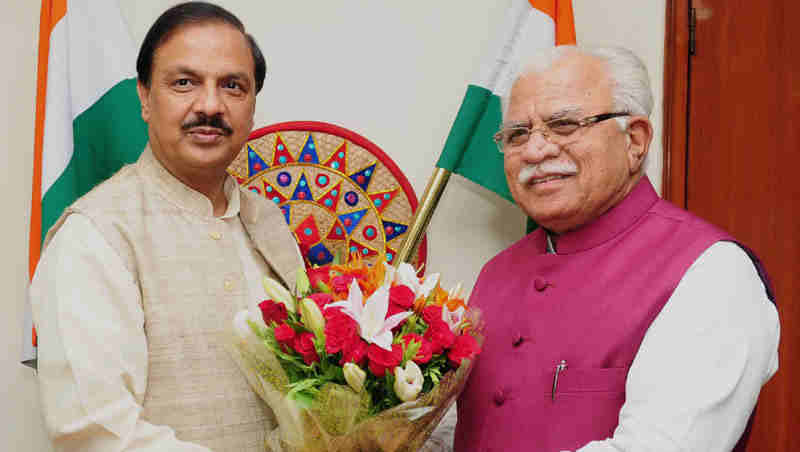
(203, 120)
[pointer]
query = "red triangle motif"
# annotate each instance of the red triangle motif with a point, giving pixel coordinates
(338, 159)
(382, 199)
(281, 154)
(337, 232)
(391, 255)
(362, 250)
(331, 199)
(307, 232)
(272, 193)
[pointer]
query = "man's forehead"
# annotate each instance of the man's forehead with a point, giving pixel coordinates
(570, 86)
(189, 40)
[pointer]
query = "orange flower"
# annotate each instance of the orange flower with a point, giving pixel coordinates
(455, 303)
(369, 278)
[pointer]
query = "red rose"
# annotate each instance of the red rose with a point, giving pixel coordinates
(402, 296)
(321, 299)
(354, 352)
(440, 336)
(340, 330)
(464, 347)
(319, 275)
(381, 360)
(284, 333)
(273, 312)
(341, 283)
(304, 345)
(432, 314)
(425, 351)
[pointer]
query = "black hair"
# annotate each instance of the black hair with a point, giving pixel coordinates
(192, 13)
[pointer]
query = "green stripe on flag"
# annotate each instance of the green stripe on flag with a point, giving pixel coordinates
(108, 135)
(469, 149)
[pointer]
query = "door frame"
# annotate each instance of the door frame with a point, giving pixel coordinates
(676, 101)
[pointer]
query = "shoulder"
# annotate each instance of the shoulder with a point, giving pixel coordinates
(724, 282)
(669, 215)
(119, 188)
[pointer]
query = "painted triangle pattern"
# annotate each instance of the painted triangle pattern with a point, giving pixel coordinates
(255, 164)
(309, 152)
(364, 177)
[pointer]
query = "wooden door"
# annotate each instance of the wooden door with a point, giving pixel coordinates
(732, 156)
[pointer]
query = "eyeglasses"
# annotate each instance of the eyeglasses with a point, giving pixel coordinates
(557, 131)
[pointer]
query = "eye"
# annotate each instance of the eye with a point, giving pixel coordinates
(182, 83)
(517, 136)
(232, 84)
(563, 126)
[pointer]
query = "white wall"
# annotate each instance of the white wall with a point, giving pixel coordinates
(394, 72)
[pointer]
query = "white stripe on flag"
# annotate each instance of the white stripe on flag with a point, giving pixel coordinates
(101, 53)
(57, 140)
(525, 31)
(90, 52)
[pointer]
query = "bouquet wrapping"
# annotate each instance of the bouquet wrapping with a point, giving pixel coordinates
(359, 359)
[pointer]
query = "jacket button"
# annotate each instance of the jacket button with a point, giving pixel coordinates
(539, 284)
(499, 397)
(517, 339)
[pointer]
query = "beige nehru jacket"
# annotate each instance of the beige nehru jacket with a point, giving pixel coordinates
(135, 289)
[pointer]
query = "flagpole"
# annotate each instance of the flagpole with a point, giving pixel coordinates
(430, 199)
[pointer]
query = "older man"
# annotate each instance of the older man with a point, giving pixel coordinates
(141, 277)
(623, 323)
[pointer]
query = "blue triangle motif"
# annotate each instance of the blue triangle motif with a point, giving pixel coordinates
(255, 164)
(319, 255)
(363, 177)
(302, 187)
(287, 213)
(309, 152)
(354, 218)
(396, 229)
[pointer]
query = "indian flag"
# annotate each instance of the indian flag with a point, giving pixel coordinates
(88, 121)
(530, 25)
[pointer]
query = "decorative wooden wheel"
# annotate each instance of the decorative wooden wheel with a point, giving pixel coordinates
(339, 192)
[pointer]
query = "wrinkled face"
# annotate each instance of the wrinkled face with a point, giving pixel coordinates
(201, 100)
(563, 187)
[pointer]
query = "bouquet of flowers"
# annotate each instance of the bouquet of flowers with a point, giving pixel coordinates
(359, 358)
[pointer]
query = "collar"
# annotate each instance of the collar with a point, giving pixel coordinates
(605, 227)
(182, 195)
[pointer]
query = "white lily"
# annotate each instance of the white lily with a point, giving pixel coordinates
(312, 317)
(408, 277)
(354, 376)
(453, 318)
(278, 293)
(373, 326)
(408, 381)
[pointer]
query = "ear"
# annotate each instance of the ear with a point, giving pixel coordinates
(144, 99)
(640, 133)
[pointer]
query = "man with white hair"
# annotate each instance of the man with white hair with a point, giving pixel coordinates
(623, 323)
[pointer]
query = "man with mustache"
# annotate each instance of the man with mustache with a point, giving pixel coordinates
(141, 277)
(623, 323)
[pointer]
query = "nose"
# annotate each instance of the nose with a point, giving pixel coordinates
(539, 148)
(209, 101)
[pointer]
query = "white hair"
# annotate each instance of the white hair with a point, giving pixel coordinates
(631, 83)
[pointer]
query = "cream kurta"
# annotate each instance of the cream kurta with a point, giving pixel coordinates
(131, 299)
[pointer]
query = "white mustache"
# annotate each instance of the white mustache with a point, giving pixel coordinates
(546, 168)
